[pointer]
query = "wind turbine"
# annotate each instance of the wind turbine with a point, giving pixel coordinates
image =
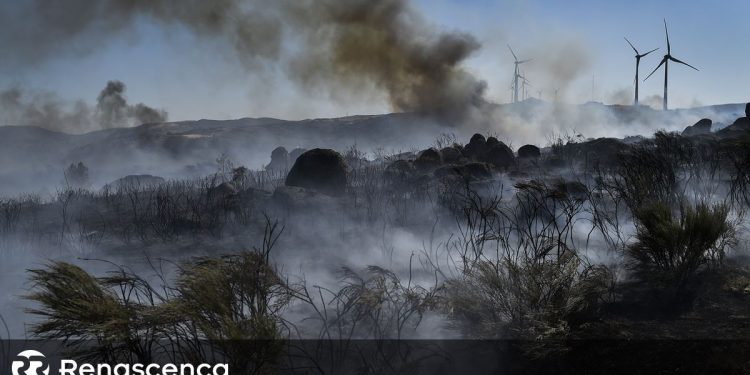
(637, 63)
(524, 82)
(516, 73)
(665, 62)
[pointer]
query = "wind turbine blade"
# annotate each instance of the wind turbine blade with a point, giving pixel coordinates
(649, 52)
(525, 61)
(669, 48)
(513, 53)
(682, 62)
(631, 45)
(657, 68)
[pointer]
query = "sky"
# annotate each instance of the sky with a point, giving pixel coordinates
(577, 48)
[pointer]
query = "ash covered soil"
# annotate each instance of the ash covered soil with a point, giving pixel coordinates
(556, 246)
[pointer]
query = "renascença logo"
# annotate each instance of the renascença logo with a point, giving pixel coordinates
(30, 362)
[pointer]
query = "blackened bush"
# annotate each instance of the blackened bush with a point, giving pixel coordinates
(646, 176)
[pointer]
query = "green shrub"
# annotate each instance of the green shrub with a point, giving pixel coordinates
(671, 248)
(528, 300)
(78, 307)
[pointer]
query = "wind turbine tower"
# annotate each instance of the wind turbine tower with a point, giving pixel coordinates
(638, 57)
(516, 73)
(665, 61)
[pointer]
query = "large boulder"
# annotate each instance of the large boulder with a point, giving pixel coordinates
(428, 159)
(701, 127)
(476, 147)
(739, 128)
(498, 155)
(322, 170)
(400, 170)
(603, 152)
(279, 160)
(451, 154)
(492, 142)
(529, 152)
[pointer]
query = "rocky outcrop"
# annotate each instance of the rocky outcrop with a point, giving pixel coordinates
(497, 154)
(279, 160)
(428, 159)
(476, 146)
(451, 154)
(739, 128)
(701, 127)
(321, 170)
(529, 152)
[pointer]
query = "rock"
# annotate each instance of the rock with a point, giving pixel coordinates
(400, 170)
(471, 171)
(600, 151)
(135, 181)
(223, 190)
(529, 152)
(499, 155)
(322, 170)
(294, 154)
(451, 154)
(476, 147)
(492, 142)
(428, 159)
(279, 160)
(739, 128)
(477, 138)
(699, 128)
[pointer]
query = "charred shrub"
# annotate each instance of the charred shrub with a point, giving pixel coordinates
(644, 176)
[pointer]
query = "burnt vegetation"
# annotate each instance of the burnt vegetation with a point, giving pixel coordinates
(584, 239)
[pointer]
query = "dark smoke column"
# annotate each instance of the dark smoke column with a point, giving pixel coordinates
(383, 44)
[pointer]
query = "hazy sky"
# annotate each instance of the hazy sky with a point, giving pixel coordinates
(572, 43)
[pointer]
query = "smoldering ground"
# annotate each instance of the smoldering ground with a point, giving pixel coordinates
(423, 236)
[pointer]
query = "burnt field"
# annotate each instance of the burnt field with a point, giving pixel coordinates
(551, 250)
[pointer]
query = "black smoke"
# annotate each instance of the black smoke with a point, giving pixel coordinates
(113, 110)
(47, 110)
(336, 44)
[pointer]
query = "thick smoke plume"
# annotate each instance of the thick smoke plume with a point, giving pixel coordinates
(330, 44)
(113, 110)
(46, 110)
